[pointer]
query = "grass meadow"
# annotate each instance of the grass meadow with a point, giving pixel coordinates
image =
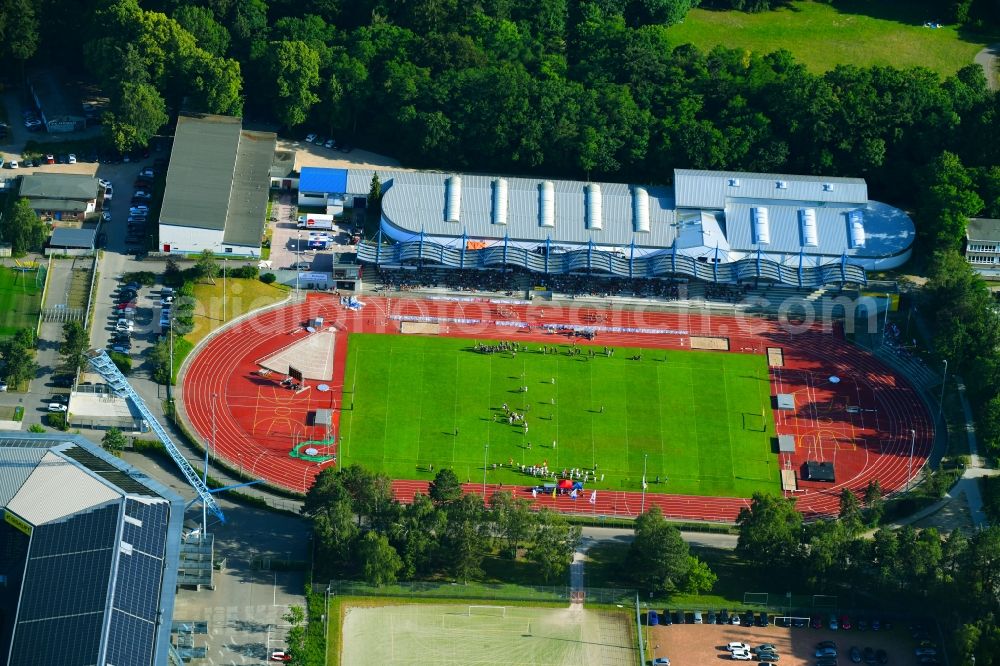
(852, 32)
(699, 422)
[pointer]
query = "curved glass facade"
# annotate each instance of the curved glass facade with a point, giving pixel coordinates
(592, 260)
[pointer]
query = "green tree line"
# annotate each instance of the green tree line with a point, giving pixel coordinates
(953, 576)
(361, 531)
(574, 88)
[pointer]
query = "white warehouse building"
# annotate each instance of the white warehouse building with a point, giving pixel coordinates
(217, 188)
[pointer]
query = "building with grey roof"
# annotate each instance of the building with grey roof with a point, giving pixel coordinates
(88, 555)
(60, 196)
(717, 226)
(217, 187)
(982, 246)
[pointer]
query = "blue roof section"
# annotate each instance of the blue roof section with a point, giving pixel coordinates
(319, 179)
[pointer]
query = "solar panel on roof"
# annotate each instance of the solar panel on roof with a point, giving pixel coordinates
(108, 471)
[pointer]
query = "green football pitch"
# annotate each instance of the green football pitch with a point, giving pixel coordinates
(700, 422)
(20, 300)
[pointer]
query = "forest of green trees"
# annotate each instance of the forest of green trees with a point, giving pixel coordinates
(574, 88)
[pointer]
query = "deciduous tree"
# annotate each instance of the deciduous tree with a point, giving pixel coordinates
(114, 441)
(554, 540)
(770, 532)
(380, 562)
(658, 557)
(293, 67)
(445, 489)
(75, 344)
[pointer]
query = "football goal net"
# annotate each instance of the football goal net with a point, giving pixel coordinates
(489, 611)
(755, 598)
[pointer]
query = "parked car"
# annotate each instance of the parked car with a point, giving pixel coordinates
(861, 624)
(310, 138)
(147, 172)
(737, 646)
(142, 194)
(925, 651)
(121, 349)
(661, 661)
(845, 622)
(109, 192)
(855, 654)
(826, 661)
(826, 652)
(833, 624)
(3, 387)
(724, 616)
(50, 159)
(57, 407)
(125, 325)
(330, 143)
(280, 655)
(881, 656)
(711, 618)
(768, 656)
(763, 620)
(652, 619)
(13, 164)
(826, 644)
(817, 622)
(71, 158)
(665, 619)
(734, 619)
(741, 655)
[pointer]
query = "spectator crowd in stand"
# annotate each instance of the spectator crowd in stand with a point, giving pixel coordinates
(515, 281)
(726, 292)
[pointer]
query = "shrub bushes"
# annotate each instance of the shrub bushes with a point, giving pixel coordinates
(268, 278)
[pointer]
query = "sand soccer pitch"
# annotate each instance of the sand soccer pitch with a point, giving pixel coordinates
(451, 635)
(699, 421)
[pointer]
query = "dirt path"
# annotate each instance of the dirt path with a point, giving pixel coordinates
(988, 58)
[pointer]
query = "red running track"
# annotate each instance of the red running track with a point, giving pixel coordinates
(862, 423)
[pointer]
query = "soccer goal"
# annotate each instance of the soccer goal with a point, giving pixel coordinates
(755, 598)
(489, 611)
(824, 601)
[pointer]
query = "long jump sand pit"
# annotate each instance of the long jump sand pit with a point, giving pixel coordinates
(452, 634)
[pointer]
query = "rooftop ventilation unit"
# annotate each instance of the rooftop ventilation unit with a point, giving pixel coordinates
(807, 218)
(500, 201)
(594, 212)
(761, 228)
(453, 204)
(734, 182)
(856, 222)
(782, 185)
(547, 204)
(640, 210)
(828, 187)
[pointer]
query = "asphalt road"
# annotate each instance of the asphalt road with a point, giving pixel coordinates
(594, 535)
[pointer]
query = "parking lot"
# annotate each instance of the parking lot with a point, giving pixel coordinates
(704, 644)
(289, 244)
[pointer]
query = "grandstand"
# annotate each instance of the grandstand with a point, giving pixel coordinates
(716, 227)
